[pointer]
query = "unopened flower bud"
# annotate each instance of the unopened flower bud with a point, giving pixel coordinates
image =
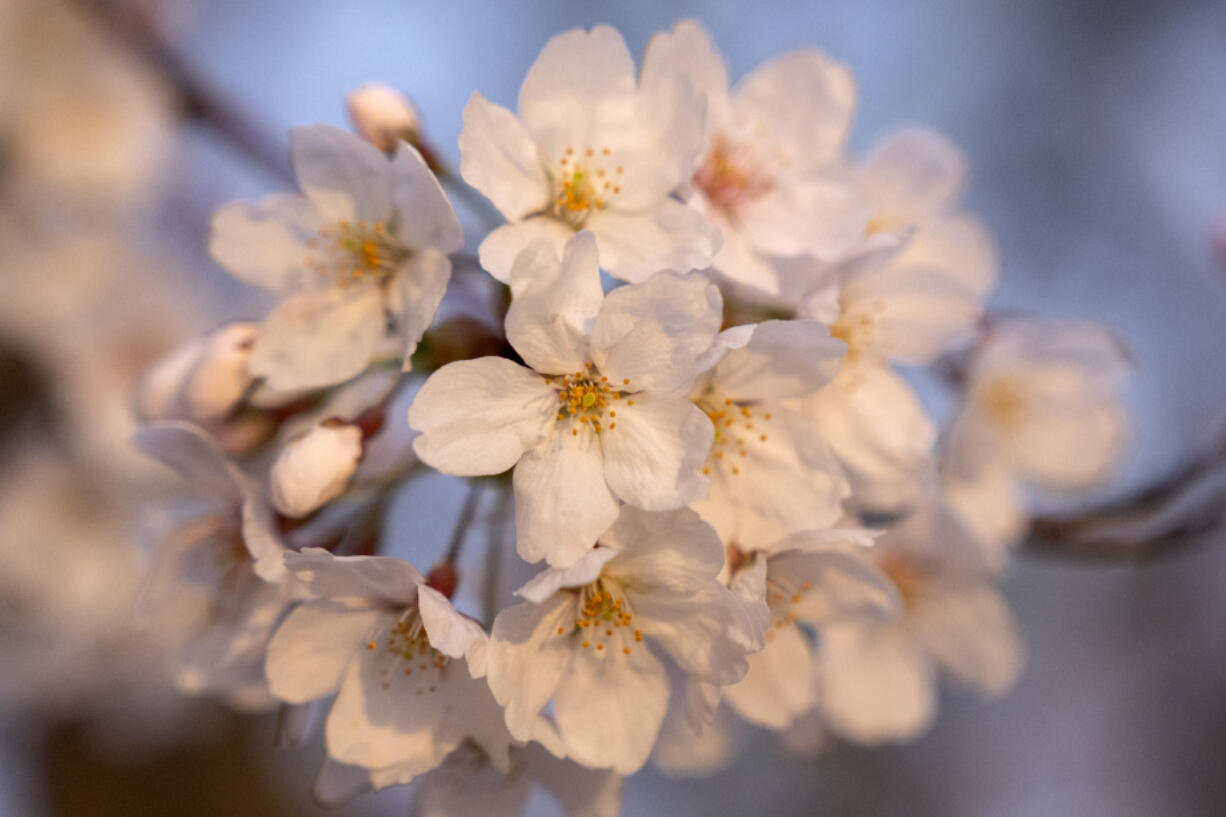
(382, 115)
(220, 378)
(158, 395)
(315, 468)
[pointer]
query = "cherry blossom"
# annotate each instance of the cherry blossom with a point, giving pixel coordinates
(363, 245)
(599, 418)
(590, 150)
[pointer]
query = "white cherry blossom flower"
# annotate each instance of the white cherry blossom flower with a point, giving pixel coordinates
(202, 381)
(912, 291)
(468, 785)
(808, 578)
(1043, 402)
(218, 585)
(587, 636)
(589, 150)
(599, 418)
(365, 244)
(406, 666)
(878, 678)
(770, 177)
(770, 471)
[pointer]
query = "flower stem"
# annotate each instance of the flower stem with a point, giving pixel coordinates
(464, 521)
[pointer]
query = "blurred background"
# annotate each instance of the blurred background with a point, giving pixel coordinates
(1096, 132)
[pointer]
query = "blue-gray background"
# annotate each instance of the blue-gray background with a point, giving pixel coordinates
(1097, 136)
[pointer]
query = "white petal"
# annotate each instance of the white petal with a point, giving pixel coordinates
(479, 416)
(971, 635)
(261, 537)
(499, 158)
(317, 338)
(780, 684)
(562, 502)
(667, 552)
(194, 455)
(549, 581)
(1071, 446)
(914, 174)
(346, 177)
(610, 705)
(708, 633)
(553, 304)
(582, 82)
(449, 632)
(841, 586)
(823, 216)
(418, 289)
(311, 649)
(687, 51)
(782, 359)
(738, 262)
(466, 786)
(528, 657)
(653, 333)
(669, 236)
(424, 216)
(501, 247)
(358, 581)
(878, 429)
(877, 686)
(581, 792)
(653, 455)
(805, 100)
(265, 244)
(380, 721)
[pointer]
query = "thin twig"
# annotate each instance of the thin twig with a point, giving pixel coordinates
(463, 521)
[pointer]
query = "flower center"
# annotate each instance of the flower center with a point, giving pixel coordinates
(1003, 403)
(738, 427)
(603, 620)
(908, 576)
(583, 183)
(863, 329)
(407, 650)
(587, 398)
(732, 175)
(352, 251)
(782, 596)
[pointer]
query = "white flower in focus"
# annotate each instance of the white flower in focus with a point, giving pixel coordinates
(878, 678)
(218, 585)
(770, 176)
(1043, 401)
(587, 636)
(405, 665)
(382, 115)
(600, 416)
(770, 472)
(363, 246)
(809, 579)
(591, 151)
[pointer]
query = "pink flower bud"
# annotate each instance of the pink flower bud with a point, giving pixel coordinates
(314, 468)
(382, 115)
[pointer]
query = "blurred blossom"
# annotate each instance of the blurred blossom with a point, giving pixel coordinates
(91, 131)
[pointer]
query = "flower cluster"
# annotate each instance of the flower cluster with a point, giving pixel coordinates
(743, 511)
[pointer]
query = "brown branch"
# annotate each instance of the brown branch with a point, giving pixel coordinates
(1159, 520)
(136, 29)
